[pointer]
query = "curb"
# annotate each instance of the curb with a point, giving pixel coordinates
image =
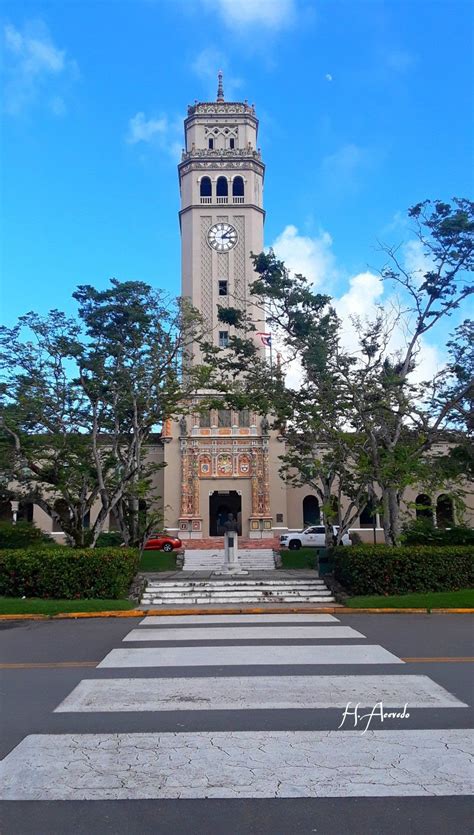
(258, 610)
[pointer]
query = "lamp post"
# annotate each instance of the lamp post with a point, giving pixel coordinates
(371, 492)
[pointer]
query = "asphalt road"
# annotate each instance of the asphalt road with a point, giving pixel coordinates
(259, 709)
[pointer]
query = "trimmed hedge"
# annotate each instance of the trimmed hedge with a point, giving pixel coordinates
(67, 573)
(109, 539)
(380, 569)
(23, 535)
(426, 534)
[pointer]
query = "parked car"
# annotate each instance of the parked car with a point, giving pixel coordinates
(162, 542)
(314, 536)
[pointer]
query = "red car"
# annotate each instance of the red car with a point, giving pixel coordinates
(162, 542)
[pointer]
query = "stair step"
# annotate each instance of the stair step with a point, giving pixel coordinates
(236, 590)
(235, 584)
(197, 600)
(239, 593)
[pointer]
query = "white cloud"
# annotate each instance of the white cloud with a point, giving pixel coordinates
(207, 64)
(272, 14)
(365, 292)
(416, 260)
(141, 129)
(159, 132)
(328, 76)
(362, 299)
(362, 296)
(34, 65)
(312, 257)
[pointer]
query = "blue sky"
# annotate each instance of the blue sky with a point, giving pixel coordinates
(364, 110)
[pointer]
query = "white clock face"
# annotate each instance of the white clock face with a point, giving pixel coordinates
(222, 237)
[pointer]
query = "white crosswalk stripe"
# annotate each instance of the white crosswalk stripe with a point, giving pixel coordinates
(247, 656)
(237, 764)
(223, 620)
(239, 633)
(261, 763)
(255, 693)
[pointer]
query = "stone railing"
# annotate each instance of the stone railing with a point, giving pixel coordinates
(221, 107)
(199, 153)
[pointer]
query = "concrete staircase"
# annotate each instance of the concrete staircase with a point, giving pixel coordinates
(235, 590)
(258, 559)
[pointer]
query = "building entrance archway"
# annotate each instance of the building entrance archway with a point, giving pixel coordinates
(221, 503)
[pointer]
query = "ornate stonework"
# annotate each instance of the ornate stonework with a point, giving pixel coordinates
(224, 108)
(198, 153)
(206, 273)
(227, 164)
(240, 285)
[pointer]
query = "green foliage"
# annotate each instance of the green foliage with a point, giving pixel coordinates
(67, 572)
(305, 558)
(82, 398)
(109, 539)
(23, 535)
(462, 599)
(423, 532)
(48, 606)
(381, 569)
(157, 561)
(359, 423)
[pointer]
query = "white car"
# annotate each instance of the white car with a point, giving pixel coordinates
(314, 536)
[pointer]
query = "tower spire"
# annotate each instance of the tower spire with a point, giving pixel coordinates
(220, 87)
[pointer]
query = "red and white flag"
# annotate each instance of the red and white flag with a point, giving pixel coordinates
(265, 339)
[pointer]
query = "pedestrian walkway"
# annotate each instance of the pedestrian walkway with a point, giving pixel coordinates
(280, 683)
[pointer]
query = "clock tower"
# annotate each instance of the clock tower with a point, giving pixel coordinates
(221, 462)
(221, 217)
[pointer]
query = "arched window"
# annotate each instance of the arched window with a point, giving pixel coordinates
(444, 511)
(205, 188)
(237, 187)
(222, 187)
(424, 509)
(311, 511)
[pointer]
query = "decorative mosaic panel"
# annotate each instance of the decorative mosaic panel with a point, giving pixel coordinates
(206, 273)
(240, 284)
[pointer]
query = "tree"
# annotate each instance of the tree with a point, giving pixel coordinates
(403, 420)
(82, 398)
(46, 455)
(359, 422)
(135, 372)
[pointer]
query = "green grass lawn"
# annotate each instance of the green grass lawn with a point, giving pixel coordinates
(463, 599)
(304, 558)
(157, 561)
(40, 606)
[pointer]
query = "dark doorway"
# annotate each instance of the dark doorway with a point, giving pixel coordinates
(311, 512)
(444, 511)
(220, 505)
